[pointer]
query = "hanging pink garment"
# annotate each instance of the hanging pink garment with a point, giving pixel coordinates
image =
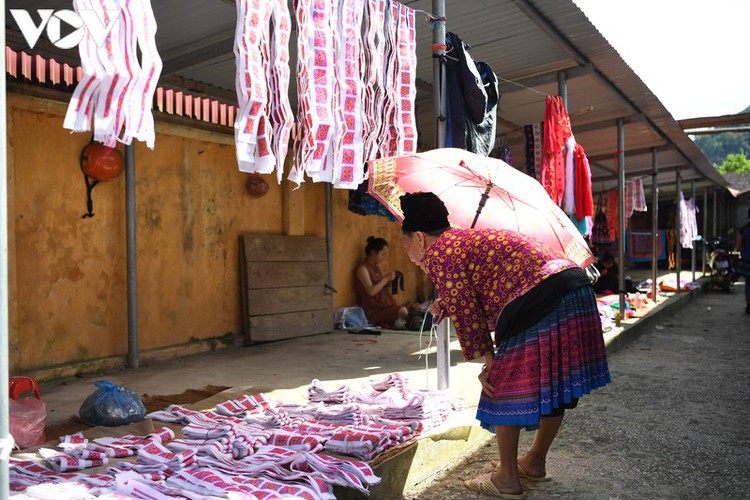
(116, 92)
(688, 222)
(635, 200)
(569, 201)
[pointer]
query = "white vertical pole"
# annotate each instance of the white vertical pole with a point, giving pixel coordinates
(5, 438)
(438, 86)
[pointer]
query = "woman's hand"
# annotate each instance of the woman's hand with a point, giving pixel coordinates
(484, 380)
(437, 311)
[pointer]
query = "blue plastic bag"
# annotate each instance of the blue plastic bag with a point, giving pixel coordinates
(111, 405)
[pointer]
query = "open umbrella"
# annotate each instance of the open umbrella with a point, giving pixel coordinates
(479, 192)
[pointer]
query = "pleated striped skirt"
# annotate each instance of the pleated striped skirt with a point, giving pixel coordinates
(547, 367)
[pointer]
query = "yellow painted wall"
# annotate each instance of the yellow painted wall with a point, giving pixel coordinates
(68, 274)
(350, 237)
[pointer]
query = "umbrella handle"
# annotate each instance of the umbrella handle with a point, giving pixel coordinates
(482, 202)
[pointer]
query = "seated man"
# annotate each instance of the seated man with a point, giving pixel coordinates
(609, 275)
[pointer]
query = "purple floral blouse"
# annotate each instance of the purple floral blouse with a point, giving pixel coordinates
(477, 272)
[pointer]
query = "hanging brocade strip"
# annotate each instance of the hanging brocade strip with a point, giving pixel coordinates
(251, 132)
(348, 168)
(405, 85)
(373, 57)
(116, 91)
(356, 95)
(315, 90)
(282, 115)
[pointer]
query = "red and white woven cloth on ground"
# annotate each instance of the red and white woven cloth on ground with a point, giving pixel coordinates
(316, 393)
(116, 91)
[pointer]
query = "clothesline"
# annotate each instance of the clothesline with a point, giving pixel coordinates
(522, 86)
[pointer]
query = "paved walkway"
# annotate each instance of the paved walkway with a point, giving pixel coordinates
(673, 424)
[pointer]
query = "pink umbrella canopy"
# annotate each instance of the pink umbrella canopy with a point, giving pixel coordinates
(479, 192)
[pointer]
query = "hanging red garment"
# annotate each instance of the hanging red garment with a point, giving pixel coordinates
(556, 133)
(584, 197)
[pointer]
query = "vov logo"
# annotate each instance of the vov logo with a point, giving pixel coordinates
(78, 22)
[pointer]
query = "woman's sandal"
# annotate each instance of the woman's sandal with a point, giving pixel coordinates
(483, 484)
(522, 473)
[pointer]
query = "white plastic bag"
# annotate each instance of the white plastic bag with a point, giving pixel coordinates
(350, 317)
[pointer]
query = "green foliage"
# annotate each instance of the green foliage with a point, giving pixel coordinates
(735, 164)
(717, 147)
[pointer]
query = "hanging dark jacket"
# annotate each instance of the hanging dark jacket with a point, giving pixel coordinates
(472, 95)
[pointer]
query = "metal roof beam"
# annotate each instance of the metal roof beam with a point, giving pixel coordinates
(628, 152)
(611, 123)
(641, 173)
(708, 131)
(715, 121)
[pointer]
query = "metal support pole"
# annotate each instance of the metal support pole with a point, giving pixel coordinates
(654, 222)
(678, 230)
(438, 76)
(705, 228)
(438, 51)
(713, 214)
(130, 225)
(692, 253)
(562, 87)
(329, 236)
(621, 212)
(6, 444)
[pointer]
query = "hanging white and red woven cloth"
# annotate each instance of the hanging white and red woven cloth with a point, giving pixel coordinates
(265, 120)
(116, 92)
(355, 94)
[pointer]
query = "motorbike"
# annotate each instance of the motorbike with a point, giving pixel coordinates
(720, 264)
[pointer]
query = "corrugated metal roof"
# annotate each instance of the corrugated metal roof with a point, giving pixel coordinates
(524, 41)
